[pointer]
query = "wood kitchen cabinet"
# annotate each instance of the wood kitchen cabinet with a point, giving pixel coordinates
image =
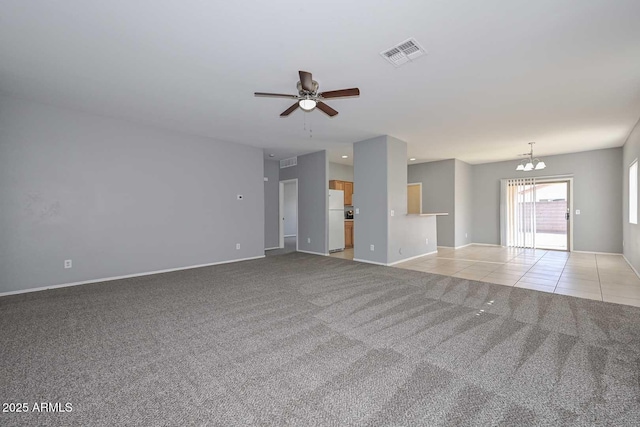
(345, 186)
(348, 193)
(336, 185)
(348, 234)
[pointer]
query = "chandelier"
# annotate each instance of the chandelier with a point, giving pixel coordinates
(531, 163)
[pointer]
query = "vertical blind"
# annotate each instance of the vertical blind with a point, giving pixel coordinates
(633, 193)
(520, 207)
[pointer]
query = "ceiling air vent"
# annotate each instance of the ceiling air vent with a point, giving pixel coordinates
(287, 163)
(404, 52)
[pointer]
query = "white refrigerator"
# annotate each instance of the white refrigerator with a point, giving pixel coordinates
(336, 220)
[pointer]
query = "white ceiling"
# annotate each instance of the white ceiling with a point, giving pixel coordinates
(498, 74)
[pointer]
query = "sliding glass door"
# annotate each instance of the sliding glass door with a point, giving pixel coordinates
(552, 215)
(535, 213)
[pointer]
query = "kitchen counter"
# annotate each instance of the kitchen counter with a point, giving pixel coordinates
(350, 219)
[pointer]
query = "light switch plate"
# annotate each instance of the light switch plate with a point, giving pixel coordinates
(393, 212)
(357, 211)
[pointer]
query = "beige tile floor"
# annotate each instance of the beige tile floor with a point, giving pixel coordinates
(346, 254)
(595, 276)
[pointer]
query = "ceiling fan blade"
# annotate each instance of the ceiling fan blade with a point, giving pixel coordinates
(326, 109)
(306, 81)
(289, 110)
(341, 93)
(275, 95)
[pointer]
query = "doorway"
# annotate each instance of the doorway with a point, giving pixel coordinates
(414, 198)
(536, 213)
(288, 227)
(552, 215)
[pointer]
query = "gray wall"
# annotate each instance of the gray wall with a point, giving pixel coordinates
(271, 204)
(370, 225)
(290, 208)
(118, 198)
(597, 193)
(380, 169)
(407, 234)
(340, 172)
(463, 209)
(313, 193)
(630, 232)
(438, 195)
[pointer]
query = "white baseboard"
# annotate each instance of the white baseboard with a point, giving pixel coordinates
(127, 276)
(370, 262)
(275, 247)
(410, 258)
(312, 253)
(597, 253)
(463, 246)
(471, 244)
(632, 267)
(289, 235)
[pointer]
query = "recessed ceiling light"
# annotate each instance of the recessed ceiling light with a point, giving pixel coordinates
(272, 155)
(412, 159)
(345, 157)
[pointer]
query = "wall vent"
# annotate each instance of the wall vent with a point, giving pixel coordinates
(287, 163)
(403, 52)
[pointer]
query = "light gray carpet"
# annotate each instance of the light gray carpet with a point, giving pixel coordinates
(307, 340)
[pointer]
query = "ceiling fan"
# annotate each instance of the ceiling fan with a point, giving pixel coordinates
(308, 97)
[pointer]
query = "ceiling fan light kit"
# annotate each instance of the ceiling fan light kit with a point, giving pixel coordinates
(308, 98)
(531, 163)
(307, 104)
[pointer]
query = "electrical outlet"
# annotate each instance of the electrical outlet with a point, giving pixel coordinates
(371, 247)
(577, 211)
(67, 263)
(466, 234)
(266, 178)
(357, 211)
(426, 241)
(237, 245)
(240, 197)
(308, 239)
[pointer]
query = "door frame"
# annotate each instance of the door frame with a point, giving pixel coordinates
(420, 185)
(541, 179)
(281, 211)
(569, 181)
